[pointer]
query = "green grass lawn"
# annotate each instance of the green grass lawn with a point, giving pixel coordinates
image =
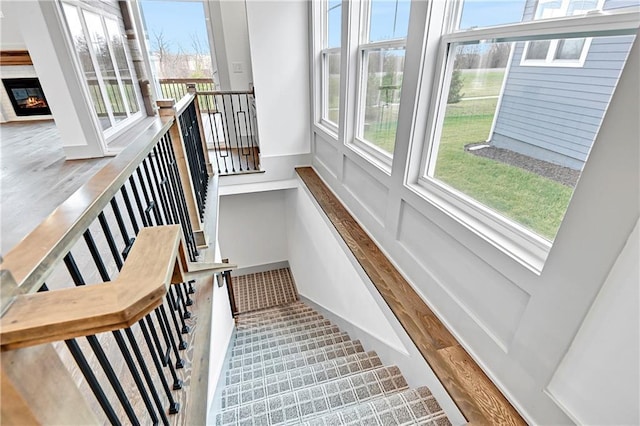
(534, 201)
(530, 199)
(477, 83)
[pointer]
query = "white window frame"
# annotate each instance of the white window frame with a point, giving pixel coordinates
(325, 51)
(368, 149)
(513, 239)
(550, 60)
(116, 127)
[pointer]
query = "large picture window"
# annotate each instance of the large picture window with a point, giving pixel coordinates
(99, 42)
(506, 142)
(381, 65)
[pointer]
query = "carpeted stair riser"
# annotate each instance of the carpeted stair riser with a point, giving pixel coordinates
(289, 319)
(262, 316)
(248, 331)
(278, 352)
(299, 378)
(275, 310)
(251, 371)
(269, 334)
(409, 407)
(278, 341)
(295, 406)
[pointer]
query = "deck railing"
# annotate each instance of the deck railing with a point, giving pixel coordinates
(136, 229)
(177, 88)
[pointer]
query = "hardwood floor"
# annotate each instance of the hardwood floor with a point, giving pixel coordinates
(35, 177)
(480, 401)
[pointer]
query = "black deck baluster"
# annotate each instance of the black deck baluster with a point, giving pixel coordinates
(147, 375)
(177, 383)
(228, 142)
(151, 205)
(176, 197)
(214, 130)
(171, 338)
(110, 240)
(156, 188)
(180, 192)
(117, 334)
(127, 203)
(72, 267)
(175, 307)
(174, 407)
(92, 381)
(136, 196)
(124, 233)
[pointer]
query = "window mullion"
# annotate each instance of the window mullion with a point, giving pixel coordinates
(96, 69)
(116, 68)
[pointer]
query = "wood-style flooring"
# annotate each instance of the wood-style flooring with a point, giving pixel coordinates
(35, 177)
(479, 400)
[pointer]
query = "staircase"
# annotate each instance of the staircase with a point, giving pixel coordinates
(290, 365)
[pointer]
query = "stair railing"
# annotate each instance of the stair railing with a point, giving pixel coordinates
(231, 129)
(131, 227)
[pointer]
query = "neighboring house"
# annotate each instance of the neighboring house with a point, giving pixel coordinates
(556, 92)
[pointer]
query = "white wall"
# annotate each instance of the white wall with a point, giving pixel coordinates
(598, 381)
(278, 35)
(252, 229)
(517, 324)
(10, 36)
(231, 43)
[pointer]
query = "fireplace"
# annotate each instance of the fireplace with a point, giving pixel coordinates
(26, 96)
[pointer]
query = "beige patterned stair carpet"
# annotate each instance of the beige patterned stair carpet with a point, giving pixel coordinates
(289, 365)
(263, 290)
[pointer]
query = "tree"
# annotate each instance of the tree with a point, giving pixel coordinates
(455, 88)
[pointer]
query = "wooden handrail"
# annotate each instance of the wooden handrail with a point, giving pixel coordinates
(158, 258)
(227, 92)
(35, 257)
(185, 80)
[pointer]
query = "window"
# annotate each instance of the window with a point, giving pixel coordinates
(330, 66)
(560, 53)
(381, 66)
(506, 143)
(99, 42)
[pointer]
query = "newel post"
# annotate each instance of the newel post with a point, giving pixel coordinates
(191, 88)
(37, 389)
(168, 109)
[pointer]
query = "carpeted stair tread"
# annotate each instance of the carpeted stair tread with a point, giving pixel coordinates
(308, 402)
(277, 325)
(258, 323)
(240, 372)
(407, 407)
(272, 333)
(278, 341)
(298, 378)
(292, 348)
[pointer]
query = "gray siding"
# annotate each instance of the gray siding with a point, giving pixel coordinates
(553, 113)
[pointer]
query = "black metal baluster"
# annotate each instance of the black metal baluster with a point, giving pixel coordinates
(121, 225)
(72, 267)
(228, 142)
(169, 336)
(174, 407)
(151, 203)
(127, 203)
(164, 182)
(175, 307)
(175, 196)
(117, 334)
(180, 193)
(92, 381)
(147, 375)
(252, 138)
(143, 215)
(177, 383)
(155, 188)
(211, 117)
(110, 240)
